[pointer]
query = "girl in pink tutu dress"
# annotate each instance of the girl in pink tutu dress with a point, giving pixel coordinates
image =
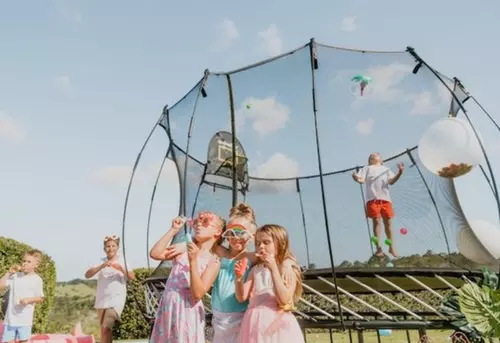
(181, 316)
(275, 285)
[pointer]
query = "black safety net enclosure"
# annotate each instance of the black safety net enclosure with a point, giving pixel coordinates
(286, 135)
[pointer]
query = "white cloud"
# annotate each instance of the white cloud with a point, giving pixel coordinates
(145, 174)
(267, 114)
(11, 130)
(271, 40)
(430, 102)
(386, 80)
(365, 127)
(278, 166)
(348, 24)
(68, 11)
(63, 83)
(227, 34)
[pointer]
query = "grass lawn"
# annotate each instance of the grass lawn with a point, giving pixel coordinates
(371, 337)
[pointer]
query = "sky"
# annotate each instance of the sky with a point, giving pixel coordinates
(82, 83)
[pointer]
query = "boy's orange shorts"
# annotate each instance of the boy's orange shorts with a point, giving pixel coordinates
(379, 208)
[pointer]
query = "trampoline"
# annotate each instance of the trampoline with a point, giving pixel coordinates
(285, 135)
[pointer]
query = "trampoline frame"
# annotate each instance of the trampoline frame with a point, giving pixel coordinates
(311, 320)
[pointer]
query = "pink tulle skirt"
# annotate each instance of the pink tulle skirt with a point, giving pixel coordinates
(264, 322)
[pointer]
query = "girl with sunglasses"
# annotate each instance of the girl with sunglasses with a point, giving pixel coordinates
(227, 310)
(181, 314)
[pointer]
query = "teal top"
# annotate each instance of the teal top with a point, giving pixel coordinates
(223, 291)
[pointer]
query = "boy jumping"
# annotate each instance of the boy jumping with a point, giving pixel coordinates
(377, 178)
(25, 290)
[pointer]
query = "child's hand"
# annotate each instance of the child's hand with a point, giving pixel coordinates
(14, 269)
(240, 268)
(269, 261)
(401, 167)
(355, 176)
(177, 223)
(23, 301)
(193, 251)
(173, 251)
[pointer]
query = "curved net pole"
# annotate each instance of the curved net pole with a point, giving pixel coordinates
(125, 206)
(150, 211)
(486, 112)
(314, 66)
(297, 182)
(433, 200)
(488, 163)
(487, 178)
(233, 140)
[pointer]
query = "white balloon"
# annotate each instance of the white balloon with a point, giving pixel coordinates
(480, 242)
(449, 148)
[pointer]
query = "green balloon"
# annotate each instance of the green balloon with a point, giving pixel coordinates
(388, 242)
(374, 240)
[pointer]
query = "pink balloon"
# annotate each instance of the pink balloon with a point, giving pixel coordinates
(403, 231)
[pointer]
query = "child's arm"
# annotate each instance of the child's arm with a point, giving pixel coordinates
(33, 300)
(242, 288)
(221, 251)
(157, 252)
(394, 178)
(175, 250)
(252, 257)
(356, 175)
(4, 281)
(94, 270)
(284, 290)
(130, 273)
(200, 284)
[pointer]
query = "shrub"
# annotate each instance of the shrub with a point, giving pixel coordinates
(12, 252)
(134, 324)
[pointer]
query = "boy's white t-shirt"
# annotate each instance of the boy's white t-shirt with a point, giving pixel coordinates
(377, 182)
(111, 287)
(22, 286)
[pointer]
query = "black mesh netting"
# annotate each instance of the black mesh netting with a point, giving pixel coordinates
(275, 105)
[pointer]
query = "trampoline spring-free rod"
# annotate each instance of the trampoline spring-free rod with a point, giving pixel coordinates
(333, 302)
(446, 282)
(301, 203)
(420, 283)
(313, 61)
(300, 313)
(355, 298)
(384, 297)
(317, 308)
(423, 303)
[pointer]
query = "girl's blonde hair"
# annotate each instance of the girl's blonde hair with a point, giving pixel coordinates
(282, 253)
(244, 211)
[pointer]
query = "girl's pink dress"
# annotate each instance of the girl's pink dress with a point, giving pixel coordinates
(179, 319)
(264, 321)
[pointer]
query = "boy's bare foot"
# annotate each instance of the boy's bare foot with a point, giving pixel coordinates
(392, 251)
(379, 252)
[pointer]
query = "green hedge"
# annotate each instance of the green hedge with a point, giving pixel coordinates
(12, 252)
(134, 325)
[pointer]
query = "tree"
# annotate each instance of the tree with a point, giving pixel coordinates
(12, 252)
